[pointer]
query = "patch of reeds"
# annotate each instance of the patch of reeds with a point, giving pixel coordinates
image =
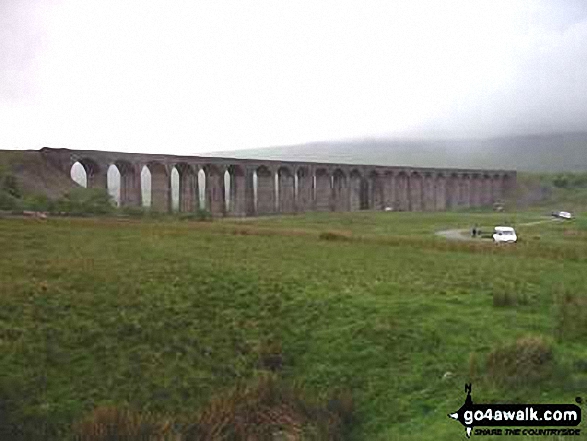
(264, 410)
(571, 316)
(527, 361)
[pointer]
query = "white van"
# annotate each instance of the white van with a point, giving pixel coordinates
(504, 234)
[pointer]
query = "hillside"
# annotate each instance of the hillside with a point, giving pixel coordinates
(537, 153)
(34, 175)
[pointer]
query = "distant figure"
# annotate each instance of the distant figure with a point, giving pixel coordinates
(474, 230)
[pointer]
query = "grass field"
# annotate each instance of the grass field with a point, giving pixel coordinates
(163, 315)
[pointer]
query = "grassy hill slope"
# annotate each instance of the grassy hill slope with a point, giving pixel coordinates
(543, 153)
(34, 174)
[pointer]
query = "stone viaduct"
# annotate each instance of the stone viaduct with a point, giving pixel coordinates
(260, 187)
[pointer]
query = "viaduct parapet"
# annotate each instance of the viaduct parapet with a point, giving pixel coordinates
(259, 187)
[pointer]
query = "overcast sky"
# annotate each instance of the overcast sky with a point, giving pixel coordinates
(191, 76)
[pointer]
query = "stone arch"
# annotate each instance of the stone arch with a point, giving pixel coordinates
(340, 191)
(237, 190)
(129, 184)
(160, 187)
(416, 188)
(303, 189)
(95, 175)
(265, 190)
(440, 192)
(375, 190)
(188, 199)
(402, 191)
(323, 190)
(428, 192)
(215, 192)
(286, 190)
(389, 189)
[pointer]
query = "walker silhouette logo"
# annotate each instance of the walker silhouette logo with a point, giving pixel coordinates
(518, 415)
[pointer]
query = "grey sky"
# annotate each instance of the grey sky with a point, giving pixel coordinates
(192, 77)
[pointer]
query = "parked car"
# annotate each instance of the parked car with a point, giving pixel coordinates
(562, 215)
(504, 234)
(498, 206)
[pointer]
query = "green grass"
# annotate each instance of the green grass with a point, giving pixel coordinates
(385, 223)
(163, 315)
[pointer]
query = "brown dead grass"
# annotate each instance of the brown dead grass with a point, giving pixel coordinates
(528, 360)
(265, 410)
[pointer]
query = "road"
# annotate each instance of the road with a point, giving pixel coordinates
(465, 234)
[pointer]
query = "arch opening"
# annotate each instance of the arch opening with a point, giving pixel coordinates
(146, 187)
(113, 183)
(389, 191)
(236, 190)
(78, 174)
(201, 177)
(174, 187)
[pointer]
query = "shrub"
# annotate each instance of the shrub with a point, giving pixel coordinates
(133, 211)
(86, 201)
(528, 360)
(9, 202)
(506, 298)
(9, 183)
(200, 215)
(270, 356)
(334, 235)
(38, 202)
(503, 298)
(20, 421)
(203, 215)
